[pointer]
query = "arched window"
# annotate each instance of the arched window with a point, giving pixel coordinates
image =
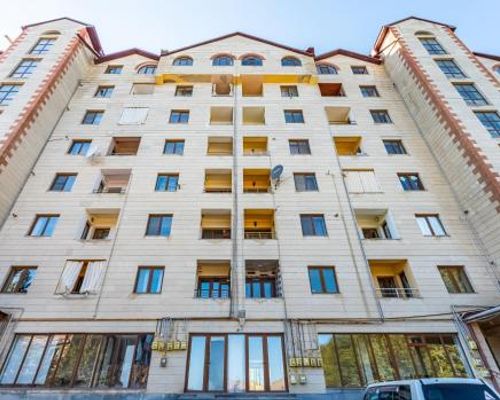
(326, 69)
(183, 61)
(252, 61)
(51, 33)
(423, 33)
(222, 61)
(147, 70)
(290, 62)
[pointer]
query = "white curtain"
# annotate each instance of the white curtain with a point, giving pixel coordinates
(353, 181)
(93, 277)
(68, 277)
(134, 116)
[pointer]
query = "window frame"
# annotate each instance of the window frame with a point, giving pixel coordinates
(49, 218)
(377, 114)
(178, 116)
(326, 69)
(322, 279)
(286, 92)
(179, 91)
(149, 69)
(27, 70)
(223, 60)
(305, 176)
(12, 272)
(470, 94)
(183, 61)
(434, 49)
(290, 61)
(308, 217)
(245, 62)
(81, 143)
(67, 178)
(175, 142)
(426, 218)
(400, 145)
(104, 91)
(359, 70)
(299, 144)
(8, 92)
(94, 115)
(368, 91)
(492, 125)
(151, 269)
(294, 116)
(113, 70)
(453, 279)
(46, 46)
(452, 71)
(410, 188)
(212, 280)
(168, 177)
(163, 218)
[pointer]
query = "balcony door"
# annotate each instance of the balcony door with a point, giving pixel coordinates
(236, 363)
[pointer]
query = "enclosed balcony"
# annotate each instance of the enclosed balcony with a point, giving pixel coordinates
(113, 181)
(254, 116)
(218, 181)
(100, 224)
(216, 224)
(220, 146)
(376, 224)
(348, 145)
(255, 145)
(213, 279)
(256, 180)
(221, 115)
(259, 224)
(262, 279)
(393, 279)
(331, 90)
(339, 115)
(124, 146)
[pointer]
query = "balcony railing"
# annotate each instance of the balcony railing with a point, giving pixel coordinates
(216, 234)
(218, 190)
(259, 235)
(256, 189)
(400, 293)
(110, 190)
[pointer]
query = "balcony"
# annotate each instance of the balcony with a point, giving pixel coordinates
(254, 116)
(376, 224)
(124, 146)
(348, 145)
(255, 146)
(221, 115)
(331, 90)
(393, 279)
(218, 181)
(213, 279)
(252, 85)
(259, 224)
(338, 115)
(216, 224)
(113, 181)
(262, 279)
(222, 86)
(220, 146)
(256, 180)
(100, 224)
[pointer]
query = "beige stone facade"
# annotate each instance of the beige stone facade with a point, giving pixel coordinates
(404, 261)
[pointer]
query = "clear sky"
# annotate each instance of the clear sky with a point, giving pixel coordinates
(325, 24)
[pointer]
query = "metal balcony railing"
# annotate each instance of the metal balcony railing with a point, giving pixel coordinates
(110, 190)
(401, 293)
(218, 190)
(259, 235)
(216, 234)
(256, 189)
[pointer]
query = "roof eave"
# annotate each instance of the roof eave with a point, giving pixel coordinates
(126, 53)
(348, 53)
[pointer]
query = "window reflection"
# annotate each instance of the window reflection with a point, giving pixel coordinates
(275, 362)
(216, 368)
(196, 363)
(255, 363)
(236, 363)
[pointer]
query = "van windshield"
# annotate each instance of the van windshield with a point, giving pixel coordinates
(458, 391)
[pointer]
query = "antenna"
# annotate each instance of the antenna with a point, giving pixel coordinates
(276, 173)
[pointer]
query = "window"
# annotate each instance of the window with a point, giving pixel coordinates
(159, 225)
(261, 279)
(299, 146)
(139, 89)
(7, 93)
(290, 62)
(432, 46)
(489, 119)
(470, 94)
(450, 69)
(361, 181)
(79, 147)
(104, 91)
(87, 361)
(100, 225)
(388, 357)
(92, 117)
(147, 70)
(393, 278)
(114, 69)
(43, 46)
(63, 182)
(183, 61)
(325, 69)
(394, 146)
(410, 181)
(25, 68)
(294, 117)
(376, 224)
(167, 183)
(149, 280)
(359, 70)
(222, 61)
(305, 182)
(289, 91)
(313, 225)
(252, 61)
(134, 116)
(455, 279)
(213, 287)
(184, 91)
(44, 225)
(430, 225)
(179, 116)
(174, 147)
(380, 116)
(322, 280)
(369, 91)
(19, 280)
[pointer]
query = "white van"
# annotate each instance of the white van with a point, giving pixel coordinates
(432, 389)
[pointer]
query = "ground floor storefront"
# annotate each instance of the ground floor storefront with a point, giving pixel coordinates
(214, 357)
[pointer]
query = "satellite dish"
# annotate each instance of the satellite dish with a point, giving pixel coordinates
(276, 172)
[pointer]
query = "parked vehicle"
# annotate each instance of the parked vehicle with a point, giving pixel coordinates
(432, 389)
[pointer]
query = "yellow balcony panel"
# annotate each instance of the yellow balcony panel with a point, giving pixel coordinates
(338, 115)
(221, 115)
(259, 224)
(220, 146)
(347, 145)
(256, 180)
(216, 224)
(218, 181)
(254, 145)
(254, 116)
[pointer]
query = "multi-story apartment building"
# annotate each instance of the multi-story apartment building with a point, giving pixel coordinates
(242, 216)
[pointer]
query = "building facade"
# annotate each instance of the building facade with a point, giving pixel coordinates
(242, 216)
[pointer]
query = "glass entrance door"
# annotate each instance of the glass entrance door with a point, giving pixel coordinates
(236, 363)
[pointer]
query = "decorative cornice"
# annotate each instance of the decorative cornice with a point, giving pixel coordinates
(348, 53)
(126, 53)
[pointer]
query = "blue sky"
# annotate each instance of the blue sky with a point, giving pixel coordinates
(324, 24)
